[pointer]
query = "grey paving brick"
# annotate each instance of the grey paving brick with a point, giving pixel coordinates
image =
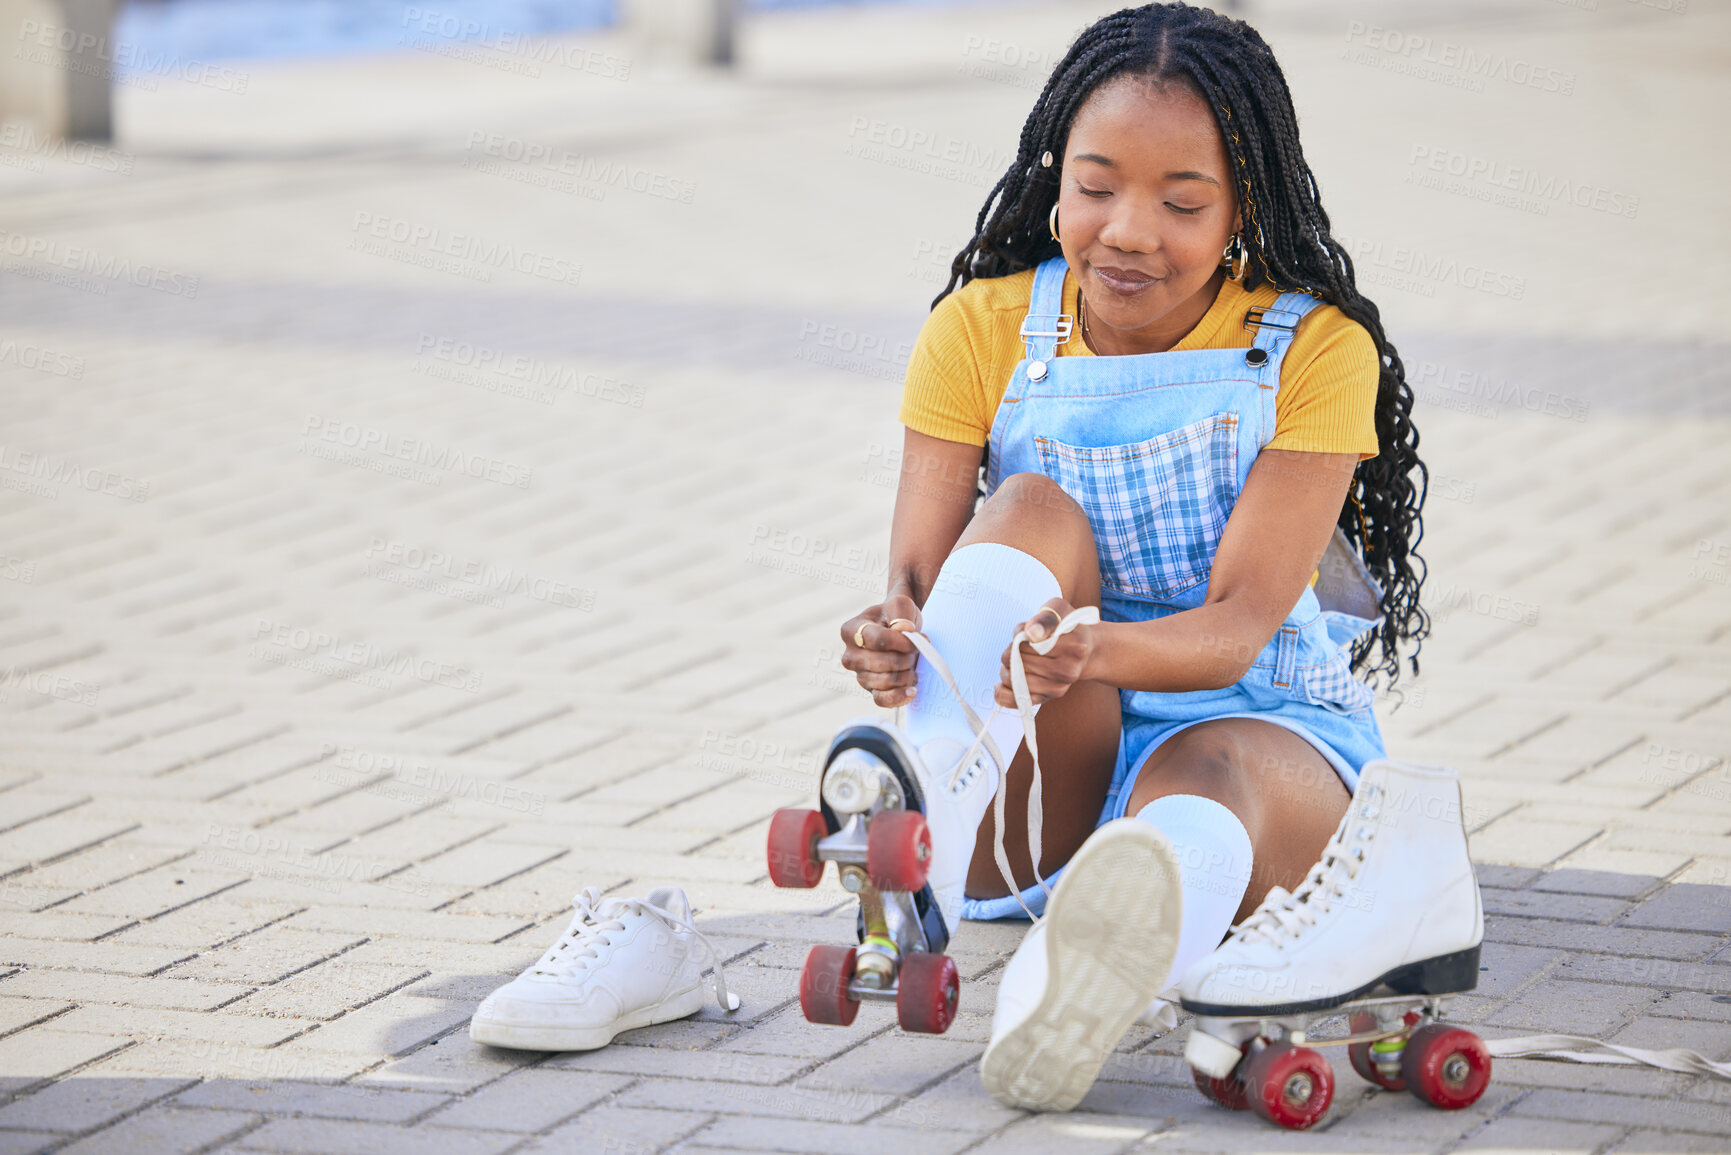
(1711, 1039)
(83, 1103)
(670, 1062)
(16, 1014)
(110, 958)
(1558, 1006)
(1693, 1005)
(837, 1139)
(205, 924)
(1552, 905)
(746, 1099)
(332, 1137)
(372, 1104)
(959, 1102)
(28, 1142)
(167, 993)
(1612, 1080)
(55, 924)
(892, 1064)
(420, 925)
(1549, 1135)
(54, 837)
(528, 1100)
(787, 1033)
(1670, 1143)
(1713, 978)
(1627, 1110)
(1601, 882)
(1664, 944)
(454, 1065)
(34, 1054)
(614, 1130)
(217, 1026)
(165, 1130)
(1683, 906)
(266, 956)
(1503, 968)
(392, 1025)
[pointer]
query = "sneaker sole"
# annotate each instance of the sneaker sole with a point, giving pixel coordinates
(1114, 920)
(522, 1036)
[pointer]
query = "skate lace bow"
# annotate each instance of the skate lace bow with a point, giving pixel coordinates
(1284, 915)
(597, 918)
(1081, 616)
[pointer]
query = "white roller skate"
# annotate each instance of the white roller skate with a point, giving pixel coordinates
(900, 824)
(1386, 924)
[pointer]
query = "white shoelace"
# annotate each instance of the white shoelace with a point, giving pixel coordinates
(1282, 915)
(597, 917)
(1081, 616)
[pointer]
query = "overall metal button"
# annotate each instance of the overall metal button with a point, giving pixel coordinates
(1256, 358)
(1036, 370)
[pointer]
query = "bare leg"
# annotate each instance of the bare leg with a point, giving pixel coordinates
(1285, 792)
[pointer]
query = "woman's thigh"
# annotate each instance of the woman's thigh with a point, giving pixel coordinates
(1286, 793)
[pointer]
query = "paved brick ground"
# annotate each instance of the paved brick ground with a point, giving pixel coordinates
(338, 656)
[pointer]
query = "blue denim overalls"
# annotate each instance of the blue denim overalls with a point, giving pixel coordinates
(1156, 448)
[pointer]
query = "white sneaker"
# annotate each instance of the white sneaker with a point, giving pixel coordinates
(1393, 904)
(1087, 970)
(623, 963)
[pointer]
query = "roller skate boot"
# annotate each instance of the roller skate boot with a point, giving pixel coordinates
(900, 825)
(1385, 925)
(1087, 970)
(901, 837)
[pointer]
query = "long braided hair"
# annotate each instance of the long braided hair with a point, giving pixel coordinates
(1286, 234)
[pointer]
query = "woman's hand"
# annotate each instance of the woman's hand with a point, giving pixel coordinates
(883, 659)
(1049, 675)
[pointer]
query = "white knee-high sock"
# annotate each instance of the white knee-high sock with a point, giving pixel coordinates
(983, 593)
(1214, 862)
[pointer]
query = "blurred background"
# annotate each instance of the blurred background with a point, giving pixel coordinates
(509, 387)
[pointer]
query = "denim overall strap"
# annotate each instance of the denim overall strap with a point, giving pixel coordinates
(1274, 327)
(1047, 325)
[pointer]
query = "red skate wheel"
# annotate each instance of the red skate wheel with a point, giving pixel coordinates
(793, 838)
(1289, 1086)
(1363, 1023)
(1446, 1066)
(823, 995)
(927, 990)
(1228, 1092)
(898, 850)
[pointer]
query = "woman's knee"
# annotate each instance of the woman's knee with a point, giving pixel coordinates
(1196, 761)
(1032, 512)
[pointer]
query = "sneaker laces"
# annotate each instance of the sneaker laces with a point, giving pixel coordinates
(1081, 616)
(1285, 915)
(597, 917)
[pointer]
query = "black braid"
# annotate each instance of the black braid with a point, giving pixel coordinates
(1286, 233)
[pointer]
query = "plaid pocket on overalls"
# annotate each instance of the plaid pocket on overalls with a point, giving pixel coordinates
(1158, 507)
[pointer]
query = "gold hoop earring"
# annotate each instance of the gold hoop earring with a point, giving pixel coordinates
(1052, 221)
(1236, 259)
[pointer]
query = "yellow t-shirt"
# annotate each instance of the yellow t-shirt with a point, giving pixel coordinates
(971, 343)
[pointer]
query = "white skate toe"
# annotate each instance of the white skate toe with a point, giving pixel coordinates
(1087, 970)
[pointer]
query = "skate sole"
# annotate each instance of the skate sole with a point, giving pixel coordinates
(1114, 932)
(529, 1036)
(1449, 974)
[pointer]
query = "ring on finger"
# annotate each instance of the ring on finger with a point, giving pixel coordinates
(1057, 618)
(859, 635)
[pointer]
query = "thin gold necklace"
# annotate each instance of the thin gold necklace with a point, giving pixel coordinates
(1082, 308)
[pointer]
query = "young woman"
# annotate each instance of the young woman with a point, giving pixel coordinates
(1156, 350)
